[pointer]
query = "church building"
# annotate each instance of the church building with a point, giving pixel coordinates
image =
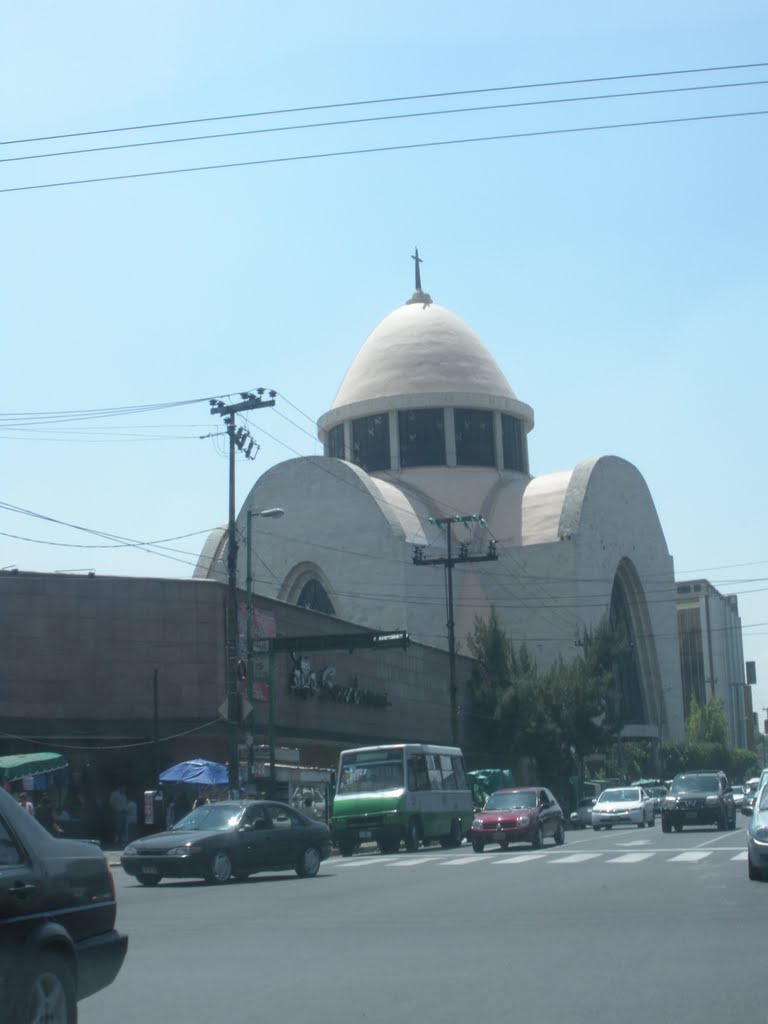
(426, 461)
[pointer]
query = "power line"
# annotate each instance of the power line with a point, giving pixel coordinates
(382, 149)
(377, 119)
(390, 99)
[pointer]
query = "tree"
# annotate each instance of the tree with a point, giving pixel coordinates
(555, 717)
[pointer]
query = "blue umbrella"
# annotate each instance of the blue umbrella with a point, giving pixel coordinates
(197, 773)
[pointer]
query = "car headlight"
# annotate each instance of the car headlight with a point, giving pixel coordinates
(669, 801)
(761, 834)
(130, 850)
(713, 799)
(183, 851)
(477, 823)
(524, 820)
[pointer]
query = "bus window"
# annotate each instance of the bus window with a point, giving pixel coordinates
(433, 771)
(449, 776)
(417, 773)
(459, 774)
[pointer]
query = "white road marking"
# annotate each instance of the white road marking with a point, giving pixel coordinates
(414, 863)
(520, 858)
(740, 856)
(691, 856)
(631, 858)
(573, 858)
(456, 861)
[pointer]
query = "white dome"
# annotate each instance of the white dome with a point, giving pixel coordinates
(421, 349)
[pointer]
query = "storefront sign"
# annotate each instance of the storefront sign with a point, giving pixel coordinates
(304, 682)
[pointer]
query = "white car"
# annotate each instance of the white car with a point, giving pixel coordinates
(627, 805)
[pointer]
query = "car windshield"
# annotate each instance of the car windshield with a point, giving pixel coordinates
(738, 790)
(210, 817)
(696, 784)
(764, 799)
(619, 796)
(509, 801)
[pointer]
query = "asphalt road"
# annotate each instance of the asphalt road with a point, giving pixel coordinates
(629, 925)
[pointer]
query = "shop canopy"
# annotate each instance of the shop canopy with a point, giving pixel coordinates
(20, 766)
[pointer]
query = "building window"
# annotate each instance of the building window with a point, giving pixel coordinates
(336, 442)
(474, 437)
(422, 437)
(315, 597)
(370, 443)
(514, 443)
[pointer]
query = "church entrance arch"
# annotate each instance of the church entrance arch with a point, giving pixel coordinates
(637, 675)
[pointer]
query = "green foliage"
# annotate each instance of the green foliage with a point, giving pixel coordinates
(707, 724)
(689, 756)
(554, 717)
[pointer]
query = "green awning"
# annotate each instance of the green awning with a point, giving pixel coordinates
(19, 766)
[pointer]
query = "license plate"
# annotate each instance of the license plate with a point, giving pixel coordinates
(149, 870)
(365, 834)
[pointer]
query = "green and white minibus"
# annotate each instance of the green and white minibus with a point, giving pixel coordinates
(414, 792)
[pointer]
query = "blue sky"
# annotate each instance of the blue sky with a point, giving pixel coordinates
(618, 275)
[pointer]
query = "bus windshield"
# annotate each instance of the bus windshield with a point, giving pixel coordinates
(374, 776)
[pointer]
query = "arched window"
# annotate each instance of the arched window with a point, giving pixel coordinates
(315, 597)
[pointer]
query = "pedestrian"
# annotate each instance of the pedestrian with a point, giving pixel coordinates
(131, 820)
(118, 802)
(26, 803)
(44, 814)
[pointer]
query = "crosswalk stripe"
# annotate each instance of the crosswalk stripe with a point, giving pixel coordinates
(520, 858)
(691, 856)
(740, 856)
(573, 858)
(414, 863)
(456, 861)
(630, 858)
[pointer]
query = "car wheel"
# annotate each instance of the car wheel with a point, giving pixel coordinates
(48, 992)
(560, 835)
(652, 822)
(149, 880)
(754, 873)
(388, 845)
(220, 869)
(678, 826)
(412, 835)
(641, 824)
(478, 845)
(504, 843)
(609, 827)
(347, 847)
(596, 828)
(538, 839)
(309, 863)
(722, 823)
(732, 822)
(665, 825)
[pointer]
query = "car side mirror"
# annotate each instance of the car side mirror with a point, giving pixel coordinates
(749, 811)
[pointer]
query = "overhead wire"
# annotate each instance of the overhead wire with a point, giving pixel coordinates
(390, 99)
(380, 118)
(367, 150)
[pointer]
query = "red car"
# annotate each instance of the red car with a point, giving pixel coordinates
(527, 814)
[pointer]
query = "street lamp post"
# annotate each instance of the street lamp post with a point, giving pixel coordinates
(267, 513)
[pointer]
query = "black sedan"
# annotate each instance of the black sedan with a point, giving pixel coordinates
(58, 942)
(231, 840)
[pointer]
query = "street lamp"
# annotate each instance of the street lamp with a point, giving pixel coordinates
(267, 513)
